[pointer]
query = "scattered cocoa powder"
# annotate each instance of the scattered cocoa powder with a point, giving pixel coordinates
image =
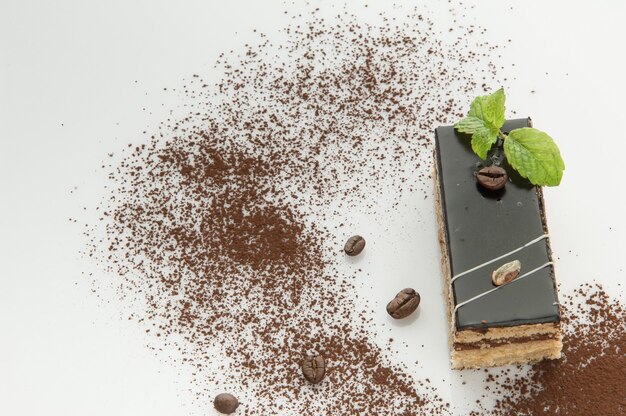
(214, 225)
(590, 377)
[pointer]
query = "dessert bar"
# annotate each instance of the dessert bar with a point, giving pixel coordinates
(482, 231)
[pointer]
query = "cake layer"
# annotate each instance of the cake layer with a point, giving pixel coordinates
(499, 333)
(516, 353)
(490, 343)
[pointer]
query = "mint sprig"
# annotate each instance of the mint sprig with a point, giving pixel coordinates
(529, 151)
(483, 122)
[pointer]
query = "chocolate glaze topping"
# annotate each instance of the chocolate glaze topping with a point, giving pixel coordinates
(481, 225)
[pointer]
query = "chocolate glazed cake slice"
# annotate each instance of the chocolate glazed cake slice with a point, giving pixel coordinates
(481, 231)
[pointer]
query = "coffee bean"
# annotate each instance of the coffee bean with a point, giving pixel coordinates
(314, 368)
(404, 304)
(492, 177)
(506, 273)
(225, 403)
(354, 245)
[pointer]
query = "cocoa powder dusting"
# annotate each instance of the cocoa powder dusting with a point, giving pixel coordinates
(215, 226)
(590, 377)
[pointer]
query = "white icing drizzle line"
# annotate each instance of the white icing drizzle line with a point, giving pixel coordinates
(498, 258)
(500, 287)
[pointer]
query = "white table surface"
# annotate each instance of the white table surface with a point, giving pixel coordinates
(75, 77)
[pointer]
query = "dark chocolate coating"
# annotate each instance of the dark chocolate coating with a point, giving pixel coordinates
(481, 225)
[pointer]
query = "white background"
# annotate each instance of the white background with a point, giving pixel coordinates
(75, 78)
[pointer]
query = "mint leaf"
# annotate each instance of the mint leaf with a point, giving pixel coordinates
(483, 121)
(469, 124)
(489, 108)
(535, 156)
(482, 141)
